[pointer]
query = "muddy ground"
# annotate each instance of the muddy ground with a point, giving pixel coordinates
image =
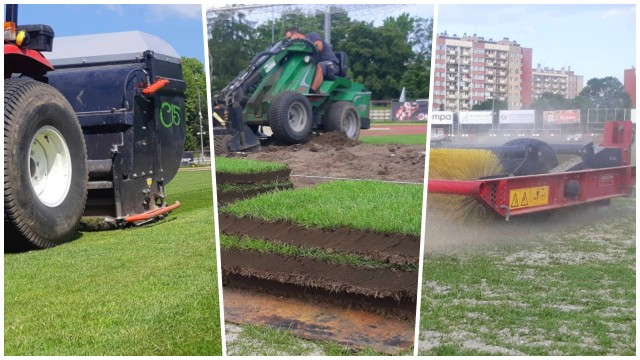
(334, 155)
(560, 284)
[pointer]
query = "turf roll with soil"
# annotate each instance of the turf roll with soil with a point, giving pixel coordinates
(386, 208)
(351, 243)
(391, 248)
(383, 291)
(244, 178)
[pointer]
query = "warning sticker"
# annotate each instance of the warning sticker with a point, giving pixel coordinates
(528, 197)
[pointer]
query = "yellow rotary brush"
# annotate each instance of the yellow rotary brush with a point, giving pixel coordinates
(461, 164)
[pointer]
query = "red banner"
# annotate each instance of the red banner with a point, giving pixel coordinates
(561, 117)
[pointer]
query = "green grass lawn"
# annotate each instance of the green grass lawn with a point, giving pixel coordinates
(140, 291)
(570, 292)
(373, 205)
(408, 139)
(244, 166)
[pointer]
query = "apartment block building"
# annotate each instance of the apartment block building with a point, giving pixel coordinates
(630, 85)
(563, 82)
(470, 69)
(483, 68)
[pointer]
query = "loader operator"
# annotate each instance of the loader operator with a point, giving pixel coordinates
(327, 62)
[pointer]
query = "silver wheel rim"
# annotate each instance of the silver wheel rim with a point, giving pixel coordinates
(350, 124)
(297, 117)
(49, 166)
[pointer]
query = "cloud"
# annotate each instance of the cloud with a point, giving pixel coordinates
(619, 12)
(165, 12)
(118, 9)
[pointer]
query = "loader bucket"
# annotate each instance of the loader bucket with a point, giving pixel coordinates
(128, 93)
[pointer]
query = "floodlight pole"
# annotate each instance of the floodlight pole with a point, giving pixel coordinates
(327, 25)
(200, 117)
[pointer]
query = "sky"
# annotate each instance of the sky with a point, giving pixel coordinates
(179, 25)
(595, 40)
(363, 12)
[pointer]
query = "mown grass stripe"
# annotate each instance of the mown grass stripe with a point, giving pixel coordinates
(141, 291)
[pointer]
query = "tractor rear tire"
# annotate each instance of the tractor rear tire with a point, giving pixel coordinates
(45, 166)
(290, 117)
(343, 116)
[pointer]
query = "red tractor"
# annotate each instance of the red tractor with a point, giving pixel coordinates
(45, 158)
(100, 136)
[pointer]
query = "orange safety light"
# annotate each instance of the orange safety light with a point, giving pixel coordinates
(9, 31)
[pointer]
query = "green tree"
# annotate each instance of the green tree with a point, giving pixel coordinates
(196, 84)
(607, 92)
(489, 104)
(386, 58)
(379, 56)
(232, 45)
(549, 101)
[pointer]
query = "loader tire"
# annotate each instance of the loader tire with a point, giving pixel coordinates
(542, 165)
(221, 144)
(343, 116)
(45, 166)
(290, 117)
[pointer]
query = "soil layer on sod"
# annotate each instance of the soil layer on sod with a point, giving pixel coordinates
(394, 248)
(253, 178)
(245, 192)
(395, 286)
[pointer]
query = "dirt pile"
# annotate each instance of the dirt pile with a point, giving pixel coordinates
(328, 156)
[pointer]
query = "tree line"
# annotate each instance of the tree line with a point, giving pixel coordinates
(599, 93)
(384, 58)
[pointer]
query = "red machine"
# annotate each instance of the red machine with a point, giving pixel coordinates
(605, 172)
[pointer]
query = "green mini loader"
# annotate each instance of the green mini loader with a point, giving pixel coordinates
(274, 91)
